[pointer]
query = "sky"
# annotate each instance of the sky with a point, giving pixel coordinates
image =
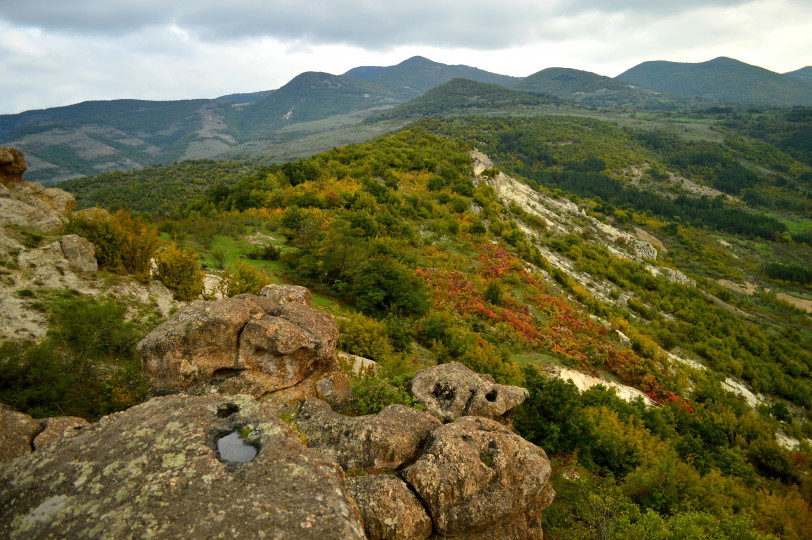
(58, 52)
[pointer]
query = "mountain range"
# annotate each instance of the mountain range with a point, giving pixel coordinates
(316, 111)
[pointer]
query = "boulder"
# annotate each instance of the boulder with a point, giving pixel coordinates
(17, 432)
(480, 480)
(179, 467)
(390, 510)
(450, 391)
(377, 441)
(12, 166)
(357, 365)
(285, 294)
(247, 344)
(79, 253)
(55, 428)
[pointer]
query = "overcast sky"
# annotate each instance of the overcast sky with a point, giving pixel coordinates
(59, 52)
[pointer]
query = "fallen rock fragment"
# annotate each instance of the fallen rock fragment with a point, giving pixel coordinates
(55, 428)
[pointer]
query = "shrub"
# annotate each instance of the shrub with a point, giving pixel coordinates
(372, 395)
(122, 242)
(242, 278)
(179, 271)
(364, 336)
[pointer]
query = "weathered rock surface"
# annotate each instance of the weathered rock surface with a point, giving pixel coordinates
(256, 345)
(32, 205)
(17, 432)
(389, 508)
(155, 470)
(450, 391)
(480, 480)
(286, 294)
(381, 441)
(79, 253)
(12, 166)
(55, 428)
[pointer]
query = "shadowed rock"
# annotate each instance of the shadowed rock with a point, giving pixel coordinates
(450, 391)
(12, 166)
(155, 471)
(382, 441)
(389, 508)
(17, 432)
(480, 480)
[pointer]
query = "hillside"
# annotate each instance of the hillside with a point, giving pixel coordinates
(805, 73)
(416, 75)
(595, 90)
(309, 97)
(463, 96)
(722, 78)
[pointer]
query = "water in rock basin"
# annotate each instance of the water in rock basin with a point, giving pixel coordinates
(233, 447)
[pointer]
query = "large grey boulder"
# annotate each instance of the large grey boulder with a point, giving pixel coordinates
(390, 509)
(451, 391)
(17, 432)
(252, 344)
(163, 470)
(480, 480)
(378, 441)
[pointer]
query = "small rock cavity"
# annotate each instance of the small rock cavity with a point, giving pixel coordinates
(234, 449)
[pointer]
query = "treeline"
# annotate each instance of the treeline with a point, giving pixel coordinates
(789, 272)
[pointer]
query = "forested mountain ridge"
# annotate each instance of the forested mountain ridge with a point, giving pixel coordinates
(722, 78)
(312, 113)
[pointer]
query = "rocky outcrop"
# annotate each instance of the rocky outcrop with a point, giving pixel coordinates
(163, 469)
(473, 478)
(389, 508)
(17, 432)
(12, 166)
(249, 344)
(451, 391)
(480, 480)
(29, 204)
(381, 441)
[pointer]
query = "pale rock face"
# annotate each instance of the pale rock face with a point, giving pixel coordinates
(161, 469)
(450, 391)
(480, 480)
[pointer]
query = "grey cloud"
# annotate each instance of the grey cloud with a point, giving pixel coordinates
(475, 24)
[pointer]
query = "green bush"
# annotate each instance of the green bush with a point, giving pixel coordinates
(179, 271)
(372, 395)
(122, 243)
(242, 278)
(85, 367)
